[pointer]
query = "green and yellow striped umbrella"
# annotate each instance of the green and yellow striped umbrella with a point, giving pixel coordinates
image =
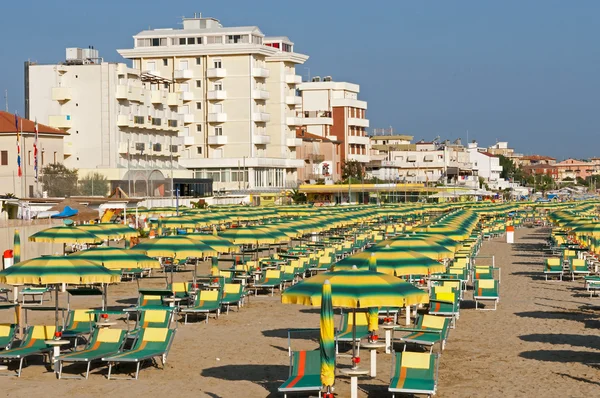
(17, 247)
(65, 234)
(392, 261)
(111, 231)
(252, 235)
(218, 243)
(373, 315)
(326, 338)
(177, 246)
(117, 258)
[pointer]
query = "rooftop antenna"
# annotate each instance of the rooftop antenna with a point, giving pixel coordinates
(6, 98)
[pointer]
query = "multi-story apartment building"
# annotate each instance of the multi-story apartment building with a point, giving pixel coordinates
(485, 164)
(321, 156)
(533, 160)
(332, 109)
(501, 148)
(239, 100)
(573, 169)
(122, 123)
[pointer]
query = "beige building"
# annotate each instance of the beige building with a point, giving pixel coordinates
(50, 150)
(238, 99)
(321, 157)
(501, 148)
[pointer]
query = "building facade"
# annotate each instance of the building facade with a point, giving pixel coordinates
(50, 150)
(484, 164)
(541, 169)
(321, 156)
(239, 100)
(573, 169)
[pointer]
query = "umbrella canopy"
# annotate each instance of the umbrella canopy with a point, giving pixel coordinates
(393, 261)
(116, 258)
(177, 246)
(218, 243)
(65, 234)
(110, 231)
(326, 337)
(253, 235)
(17, 246)
(57, 269)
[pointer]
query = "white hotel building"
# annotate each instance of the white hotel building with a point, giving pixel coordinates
(239, 100)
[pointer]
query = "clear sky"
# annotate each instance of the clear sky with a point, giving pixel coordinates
(523, 71)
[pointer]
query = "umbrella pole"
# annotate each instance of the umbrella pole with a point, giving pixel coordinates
(56, 308)
(354, 334)
(104, 296)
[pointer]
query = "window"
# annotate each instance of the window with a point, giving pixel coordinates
(219, 131)
(4, 158)
(182, 41)
(165, 62)
(151, 65)
(198, 105)
(191, 40)
(234, 39)
(214, 40)
(218, 86)
(217, 64)
(183, 65)
(166, 86)
(199, 128)
(29, 158)
(31, 191)
(199, 150)
(198, 83)
(198, 61)
(55, 154)
(44, 156)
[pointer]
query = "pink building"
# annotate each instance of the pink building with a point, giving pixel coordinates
(573, 168)
(321, 155)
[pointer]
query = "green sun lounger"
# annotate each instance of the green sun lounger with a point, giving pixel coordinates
(430, 329)
(79, 323)
(553, 266)
(151, 343)
(414, 373)
(270, 280)
(305, 373)
(34, 343)
(152, 318)
(104, 342)
(486, 290)
(578, 266)
(345, 332)
(206, 301)
(232, 294)
(7, 335)
(445, 304)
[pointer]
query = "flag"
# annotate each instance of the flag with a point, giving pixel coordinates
(35, 151)
(19, 171)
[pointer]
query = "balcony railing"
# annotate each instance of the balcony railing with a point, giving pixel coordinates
(315, 157)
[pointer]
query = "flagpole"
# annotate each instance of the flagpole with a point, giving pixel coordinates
(22, 150)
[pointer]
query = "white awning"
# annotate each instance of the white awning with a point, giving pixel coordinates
(428, 158)
(411, 158)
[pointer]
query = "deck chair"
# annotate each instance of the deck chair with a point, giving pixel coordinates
(32, 344)
(578, 267)
(483, 272)
(445, 304)
(232, 294)
(104, 342)
(486, 289)
(553, 266)
(271, 279)
(180, 289)
(430, 329)
(150, 301)
(345, 331)
(305, 373)
(32, 292)
(414, 373)
(206, 301)
(79, 323)
(7, 335)
(151, 343)
(288, 275)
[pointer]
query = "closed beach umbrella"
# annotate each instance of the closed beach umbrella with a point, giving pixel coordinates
(326, 338)
(373, 314)
(214, 268)
(17, 247)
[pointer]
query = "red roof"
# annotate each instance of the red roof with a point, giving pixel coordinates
(488, 154)
(311, 137)
(537, 157)
(7, 125)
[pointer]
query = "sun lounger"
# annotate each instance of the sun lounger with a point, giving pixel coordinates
(414, 373)
(33, 292)
(553, 266)
(430, 329)
(486, 290)
(151, 343)
(445, 304)
(271, 279)
(305, 373)
(578, 267)
(345, 331)
(79, 323)
(7, 335)
(206, 301)
(104, 342)
(34, 343)
(152, 318)
(232, 294)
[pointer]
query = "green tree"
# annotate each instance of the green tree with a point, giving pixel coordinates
(298, 197)
(59, 180)
(353, 169)
(509, 169)
(544, 182)
(581, 181)
(93, 184)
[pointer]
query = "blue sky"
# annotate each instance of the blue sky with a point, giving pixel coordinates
(525, 71)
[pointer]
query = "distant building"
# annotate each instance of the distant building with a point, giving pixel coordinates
(541, 169)
(322, 157)
(531, 160)
(572, 168)
(50, 150)
(501, 148)
(484, 164)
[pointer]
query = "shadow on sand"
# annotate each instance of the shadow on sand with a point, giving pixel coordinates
(563, 356)
(573, 340)
(270, 377)
(589, 320)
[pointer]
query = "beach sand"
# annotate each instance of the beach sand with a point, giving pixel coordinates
(540, 342)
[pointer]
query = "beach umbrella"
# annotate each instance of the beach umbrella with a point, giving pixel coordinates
(326, 338)
(177, 246)
(392, 261)
(17, 247)
(218, 243)
(117, 258)
(373, 315)
(65, 234)
(252, 235)
(110, 231)
(57, 270)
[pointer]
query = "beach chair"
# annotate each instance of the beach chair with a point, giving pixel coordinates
(485, 290)
(34, 343)
(32, 292)
(7, 335)
(150, 344)
(552, 267)
(445, 304)
(578, 267)
(429, 330)
(206, 301)
(271, 279)
(150, 301)
(79, 323)
(179, 289)
(305, 373)
(414, 373)
(483, 272)
(104, 342)
(345, 332)
(288, 275)
(232, 294)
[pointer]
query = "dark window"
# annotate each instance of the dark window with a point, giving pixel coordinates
(165, 62)
(199, 128)
(4, 160)
(191, 40)
(199, 150)
(182, 41)
(155, 42)
(198, 61)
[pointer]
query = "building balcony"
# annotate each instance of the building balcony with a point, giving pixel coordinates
(135, 94)
(216, 73)
(318, 121)
(123, 120)
(293, 79)
(260, 95)
(124, 147)
(352, 121)
(122, 92)
(217, 117)
(260, 72)
(260, 139)
(216, 95)
(293, 142)
(187, 96)
(188, 118)
(294, 121)
(157, 97)
(293, 100)
(261, 117)
(174, 99)
(183, 74)
(355, 139)
(217, 140)
(60, 121)
(188, 140)
(359, 158)
(61, 94)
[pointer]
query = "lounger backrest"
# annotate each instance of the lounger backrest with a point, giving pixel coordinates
(37, 335)
(155, 334)
(289, 269)
(153, 317)
(433, 322)
(306, 363)
(232, 288)
(179, 287)
(486, 283)
(578, 262)
(295, 264)
(553, 261)
(445, 296)
(361, 319)
(272, 274)
(6, 329)
(209, 295)
(324, 259)
(444, 289)
(148, 299)
(415, 360)
(569, 253)
(110, 335)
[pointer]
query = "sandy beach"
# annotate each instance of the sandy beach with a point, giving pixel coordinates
(541, 341)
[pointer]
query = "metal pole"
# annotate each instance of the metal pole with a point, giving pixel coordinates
(354, 333)
(172, 184)
(128, 169)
